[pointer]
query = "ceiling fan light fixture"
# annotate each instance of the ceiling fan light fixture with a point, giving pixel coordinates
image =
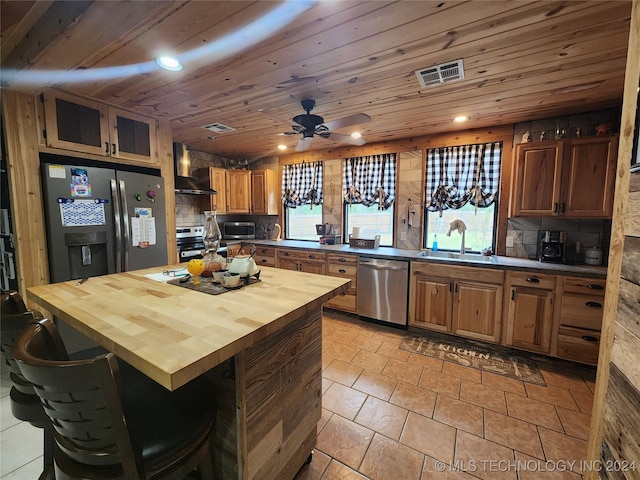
(282, 147)
(168, 63)
(356, 135)
(461, 118)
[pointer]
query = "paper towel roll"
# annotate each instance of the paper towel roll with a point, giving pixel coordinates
(356, 232)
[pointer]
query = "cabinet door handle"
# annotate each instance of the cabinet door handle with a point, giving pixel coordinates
(555, 207)
(113, 149)
(594, 286)
(342, 270)
(593, 304)
(513, 294)
(455, 288)
(106, 148)
(589, 338)
(562, 207)
(532, 279)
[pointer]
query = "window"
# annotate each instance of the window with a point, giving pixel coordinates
(302, 199)
(369, 194)
(370, 221)
(479, 234)
(462, 184)
(301, 222)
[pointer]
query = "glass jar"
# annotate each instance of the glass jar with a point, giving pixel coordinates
(211, 238)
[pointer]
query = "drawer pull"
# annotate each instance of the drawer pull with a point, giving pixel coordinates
(342, 270)
(264, 260)
(311, 255)
(532, 279)
(342, 259)
(594, 286)
(593, 304)
(589, 338)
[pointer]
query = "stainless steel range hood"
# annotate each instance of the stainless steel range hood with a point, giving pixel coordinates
(184, 182)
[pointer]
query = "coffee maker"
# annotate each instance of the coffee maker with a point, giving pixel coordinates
(551, 246)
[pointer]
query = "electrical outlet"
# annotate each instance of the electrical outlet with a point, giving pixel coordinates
(510, 242)
(403, 235)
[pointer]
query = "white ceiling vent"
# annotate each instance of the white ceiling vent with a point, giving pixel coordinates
(218, 128)
(439, 74)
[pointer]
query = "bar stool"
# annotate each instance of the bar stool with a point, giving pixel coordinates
(25, 404)
(113, 426)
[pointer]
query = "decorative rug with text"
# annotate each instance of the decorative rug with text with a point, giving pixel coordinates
(469, 353)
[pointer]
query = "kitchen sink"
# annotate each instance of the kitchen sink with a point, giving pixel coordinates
(467, 257)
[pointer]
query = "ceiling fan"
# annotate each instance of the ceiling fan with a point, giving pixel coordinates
(310, 125)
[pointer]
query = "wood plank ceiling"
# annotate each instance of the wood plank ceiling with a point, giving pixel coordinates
(522, 60)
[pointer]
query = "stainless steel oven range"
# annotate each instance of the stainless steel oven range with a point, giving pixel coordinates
(191, 244)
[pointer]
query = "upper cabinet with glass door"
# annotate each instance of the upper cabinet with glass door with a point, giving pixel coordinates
(82, 125)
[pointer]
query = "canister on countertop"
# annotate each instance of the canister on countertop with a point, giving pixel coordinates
(593, 256)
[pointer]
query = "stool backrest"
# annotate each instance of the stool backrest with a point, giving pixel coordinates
(11, 302)
(83, 400)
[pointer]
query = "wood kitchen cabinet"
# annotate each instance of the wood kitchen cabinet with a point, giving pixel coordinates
(451, 299)
(264, 192)
(238, 191)
(265, 256)
(216, 179)
(581, 309)
(529, 309)
(81, 125)
(302, 260)
(570, 177)
(344, 266)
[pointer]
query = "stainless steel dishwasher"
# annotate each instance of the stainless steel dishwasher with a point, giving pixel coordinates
(383, 289)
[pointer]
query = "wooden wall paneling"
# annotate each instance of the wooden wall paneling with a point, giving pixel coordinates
(23, 164)
(165, 158)
(608, 388)
(621, 425)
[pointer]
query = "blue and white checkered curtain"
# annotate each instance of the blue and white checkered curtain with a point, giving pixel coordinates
(370, 180)
(461, 174)
(302, 184)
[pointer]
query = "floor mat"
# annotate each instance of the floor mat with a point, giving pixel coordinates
(469, 353)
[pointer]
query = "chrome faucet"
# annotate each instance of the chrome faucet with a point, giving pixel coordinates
(461, 228)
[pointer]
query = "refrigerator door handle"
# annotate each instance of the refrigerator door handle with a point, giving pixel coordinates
(125, 218)
(117, 225)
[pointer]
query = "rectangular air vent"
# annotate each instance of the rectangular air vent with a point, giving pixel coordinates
(439, 74)
(218, 128)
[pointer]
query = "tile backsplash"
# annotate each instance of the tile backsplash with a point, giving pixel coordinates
(523, 233)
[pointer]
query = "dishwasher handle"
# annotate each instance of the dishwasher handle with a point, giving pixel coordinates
(374, 266)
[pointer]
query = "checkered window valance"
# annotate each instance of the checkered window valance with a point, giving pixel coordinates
(370, 180)
(461, 174)
(302, 184)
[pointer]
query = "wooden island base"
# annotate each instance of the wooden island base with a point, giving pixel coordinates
(269, 403)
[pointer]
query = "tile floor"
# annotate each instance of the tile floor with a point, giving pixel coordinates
(389, 414)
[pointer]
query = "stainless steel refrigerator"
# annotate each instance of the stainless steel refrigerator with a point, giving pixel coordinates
(100, 221)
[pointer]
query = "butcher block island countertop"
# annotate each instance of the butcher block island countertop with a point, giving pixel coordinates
(260, 346)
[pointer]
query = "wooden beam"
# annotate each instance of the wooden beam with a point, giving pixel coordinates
(44, 31)
(616, 252)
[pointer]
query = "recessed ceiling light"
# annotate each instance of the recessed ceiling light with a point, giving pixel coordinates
(282, 147)
(461, 118)
(169, 63)
(356, 135)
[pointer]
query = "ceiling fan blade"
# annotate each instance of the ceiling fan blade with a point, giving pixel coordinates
(345, 139)
(303, 144)
(355, 119)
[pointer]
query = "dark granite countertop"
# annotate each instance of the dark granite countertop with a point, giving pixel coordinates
(494, 261)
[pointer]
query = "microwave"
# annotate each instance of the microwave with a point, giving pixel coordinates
(239, 230)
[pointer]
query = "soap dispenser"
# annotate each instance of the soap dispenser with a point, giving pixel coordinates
(434, 246)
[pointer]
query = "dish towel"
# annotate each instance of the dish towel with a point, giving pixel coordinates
(409, 212)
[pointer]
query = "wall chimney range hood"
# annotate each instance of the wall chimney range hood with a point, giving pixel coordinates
(184, 183)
